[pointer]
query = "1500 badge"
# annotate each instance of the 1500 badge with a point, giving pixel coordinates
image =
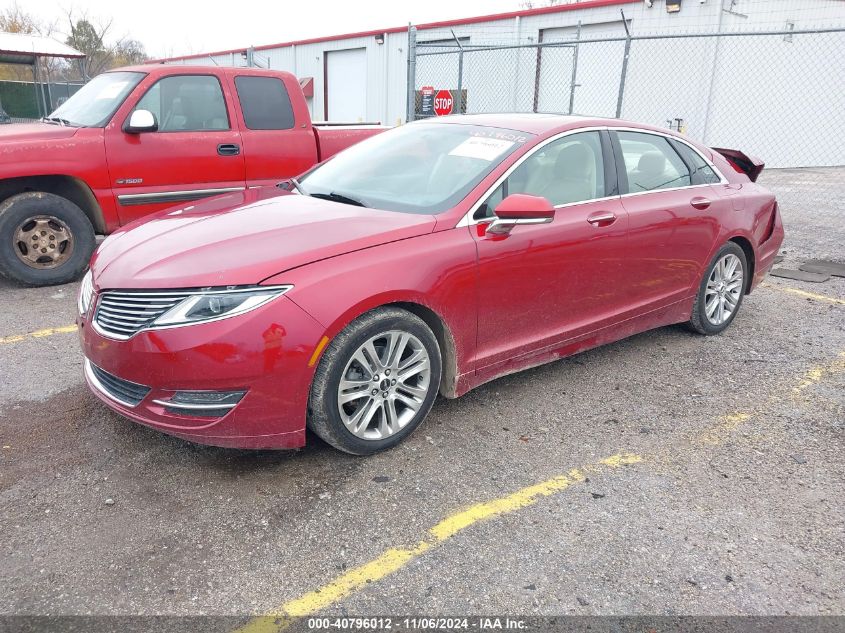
(130, 181)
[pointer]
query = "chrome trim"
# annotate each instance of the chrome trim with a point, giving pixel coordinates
(134, 199)
(468, 219)
(194, 407)
(503, 226)
(211, 290)
(89, 373)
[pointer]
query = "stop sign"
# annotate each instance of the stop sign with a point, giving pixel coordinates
(443, 103)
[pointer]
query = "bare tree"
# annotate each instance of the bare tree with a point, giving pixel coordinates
(92, 37)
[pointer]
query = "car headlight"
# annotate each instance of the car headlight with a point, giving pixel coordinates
(86, 293)
(215, 304)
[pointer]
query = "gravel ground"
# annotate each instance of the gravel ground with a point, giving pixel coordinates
(735, 505)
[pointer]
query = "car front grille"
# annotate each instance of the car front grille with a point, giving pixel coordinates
(123, 391)
(120, 314)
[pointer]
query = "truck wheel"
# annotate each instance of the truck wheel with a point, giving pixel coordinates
(44, 239)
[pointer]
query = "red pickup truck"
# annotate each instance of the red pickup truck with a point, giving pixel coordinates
(136, 140)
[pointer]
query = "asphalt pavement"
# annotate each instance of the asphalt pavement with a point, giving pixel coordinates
(667, 474)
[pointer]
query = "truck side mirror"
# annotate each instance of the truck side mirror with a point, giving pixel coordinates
(141, 121)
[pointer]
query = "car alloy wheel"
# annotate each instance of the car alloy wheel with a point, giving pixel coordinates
(724, 289)
(384, 385)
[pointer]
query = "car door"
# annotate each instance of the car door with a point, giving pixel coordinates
(275, 147)
(194, 153)
(671, 221)
(543, 284)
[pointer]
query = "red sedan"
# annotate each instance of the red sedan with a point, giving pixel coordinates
(429, 259)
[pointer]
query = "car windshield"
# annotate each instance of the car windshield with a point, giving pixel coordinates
(417, 168)
(94, 104)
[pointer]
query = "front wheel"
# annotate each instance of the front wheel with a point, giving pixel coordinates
(721, 291)
(376, 382)
(44, 239)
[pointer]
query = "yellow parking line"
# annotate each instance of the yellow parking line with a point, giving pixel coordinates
(17, 338)
(816, 374)
(394, 559)
(804, 293)
(727, 424)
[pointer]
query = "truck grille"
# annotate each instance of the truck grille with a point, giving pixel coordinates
(120, 314)
(124, 391)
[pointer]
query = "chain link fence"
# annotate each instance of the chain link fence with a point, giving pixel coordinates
(774, 94)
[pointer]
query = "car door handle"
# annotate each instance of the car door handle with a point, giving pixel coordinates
(228, 149)
(602, 218)
(700, 203)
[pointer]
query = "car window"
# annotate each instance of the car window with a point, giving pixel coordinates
(570, 169)
(265, 103)
(651, 163)
(702, 173)
(186, 103)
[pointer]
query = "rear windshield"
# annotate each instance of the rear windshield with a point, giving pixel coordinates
(417, 168)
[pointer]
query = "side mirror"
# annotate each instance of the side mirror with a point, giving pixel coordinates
(141, 121)
(520, 208)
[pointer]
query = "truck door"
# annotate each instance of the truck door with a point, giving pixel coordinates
(195, 152)
(276, 130)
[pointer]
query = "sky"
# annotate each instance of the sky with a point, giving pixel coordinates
(181, 27)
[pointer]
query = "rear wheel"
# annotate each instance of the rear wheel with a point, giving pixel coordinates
(44, 239)
(721, 291)
(376, 382)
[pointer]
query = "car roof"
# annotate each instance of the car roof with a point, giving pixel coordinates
(535, 122)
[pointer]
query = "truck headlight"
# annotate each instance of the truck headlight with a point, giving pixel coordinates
(214, 305)
(86, 294)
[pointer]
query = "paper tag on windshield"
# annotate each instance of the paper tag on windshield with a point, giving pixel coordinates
(112, 90)
(483, 148)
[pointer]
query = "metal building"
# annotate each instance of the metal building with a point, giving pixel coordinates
(584, 57)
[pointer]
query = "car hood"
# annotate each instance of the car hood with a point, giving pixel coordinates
(241, 239)
(35, 132)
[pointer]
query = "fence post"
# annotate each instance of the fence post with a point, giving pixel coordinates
(572, 84)
(412, 74)
(624, 67)
(460, 73)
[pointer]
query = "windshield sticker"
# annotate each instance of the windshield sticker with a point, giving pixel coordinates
(112, 90)
(484, 148)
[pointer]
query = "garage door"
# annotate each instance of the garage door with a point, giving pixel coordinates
(346, 78)
(599, 68)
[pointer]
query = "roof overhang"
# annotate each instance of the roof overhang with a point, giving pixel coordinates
(21, 48)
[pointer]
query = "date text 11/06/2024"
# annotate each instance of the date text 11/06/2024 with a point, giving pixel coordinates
(417, 623)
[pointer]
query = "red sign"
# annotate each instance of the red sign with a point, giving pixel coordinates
(443, 103)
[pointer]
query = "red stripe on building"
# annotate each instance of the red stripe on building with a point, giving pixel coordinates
(588, 4)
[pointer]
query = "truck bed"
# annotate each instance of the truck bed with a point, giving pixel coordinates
(334, 137)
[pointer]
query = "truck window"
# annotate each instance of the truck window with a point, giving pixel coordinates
(186, 103)
(265, 103)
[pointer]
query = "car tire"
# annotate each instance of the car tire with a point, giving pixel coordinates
(62, 249)
(721, 291)
(391, 397)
